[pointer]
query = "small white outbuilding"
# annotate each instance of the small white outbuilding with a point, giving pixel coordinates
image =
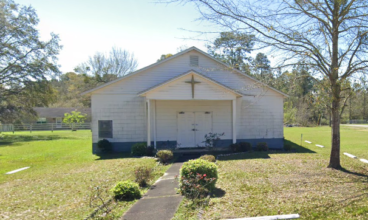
(175, 102)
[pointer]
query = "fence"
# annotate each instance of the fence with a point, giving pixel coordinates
(358, 121)
(44, 127)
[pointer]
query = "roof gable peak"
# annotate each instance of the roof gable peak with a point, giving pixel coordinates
(193, 48)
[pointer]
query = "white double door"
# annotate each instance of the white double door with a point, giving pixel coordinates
(192, 127)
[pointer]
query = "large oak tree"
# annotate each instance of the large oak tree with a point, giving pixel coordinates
(330, 36)
(26, 62)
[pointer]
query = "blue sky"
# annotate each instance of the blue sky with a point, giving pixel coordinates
(146, 28)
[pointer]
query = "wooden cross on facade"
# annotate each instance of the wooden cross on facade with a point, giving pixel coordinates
(193, 82)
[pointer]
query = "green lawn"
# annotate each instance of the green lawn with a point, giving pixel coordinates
(354, 140)
(63, 171)
(272, 183)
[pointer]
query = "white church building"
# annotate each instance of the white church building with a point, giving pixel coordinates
(175, 102)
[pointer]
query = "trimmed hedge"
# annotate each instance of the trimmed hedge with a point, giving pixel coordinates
(165, 155)
(241, 147)
(150, 151)
(262, 146)
(209, 158)
(104, 145)
(139, 149)
(234, 147)
(190, 169)
(126, 190)
(245, 146)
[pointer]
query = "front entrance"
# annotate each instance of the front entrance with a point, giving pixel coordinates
(192, 127)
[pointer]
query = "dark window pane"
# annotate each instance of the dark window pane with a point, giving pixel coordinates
(105, 128)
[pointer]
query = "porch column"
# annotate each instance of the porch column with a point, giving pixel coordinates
(154, 124)
(234, 121)
(148, 122)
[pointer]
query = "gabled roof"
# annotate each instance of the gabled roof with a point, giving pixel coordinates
(173, 57)
(188, 73)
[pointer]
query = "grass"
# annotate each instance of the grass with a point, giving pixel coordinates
(272, 183)
(62, 175)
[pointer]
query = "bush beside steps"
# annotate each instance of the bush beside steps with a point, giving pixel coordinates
(197, 179)
(209, 158)
(139, 149)
(165, 156)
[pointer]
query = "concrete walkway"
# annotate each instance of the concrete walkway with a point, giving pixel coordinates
(161, 201)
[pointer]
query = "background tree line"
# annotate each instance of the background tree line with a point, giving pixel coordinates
(309, 102)
(29, 72)
(307, 105)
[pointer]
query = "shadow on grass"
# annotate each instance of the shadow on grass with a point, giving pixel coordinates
(365, 176)
(14, 140)
(187, 157)
(218, 193)
(296, 148)
(114, 155)
(246, 155)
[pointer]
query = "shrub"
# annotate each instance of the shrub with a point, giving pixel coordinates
(142, 175)
(287, 147)
(245, 146)
(150, 151)
(139, 149)
(165, 156)
(104, 145)
(262, 146)
(234, 147)
(126, 190)
(197, 173)
(209, 158)
(196, 188)
(212, 139)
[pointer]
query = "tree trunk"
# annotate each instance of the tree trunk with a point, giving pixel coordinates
(336, 90)
(350, 110)
(335, 129)
(364, 117)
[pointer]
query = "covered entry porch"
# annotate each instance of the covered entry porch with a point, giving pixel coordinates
(183, 110)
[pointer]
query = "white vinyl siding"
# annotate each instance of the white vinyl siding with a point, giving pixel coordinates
(126, 111)
(259, 112)
(260, 117)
